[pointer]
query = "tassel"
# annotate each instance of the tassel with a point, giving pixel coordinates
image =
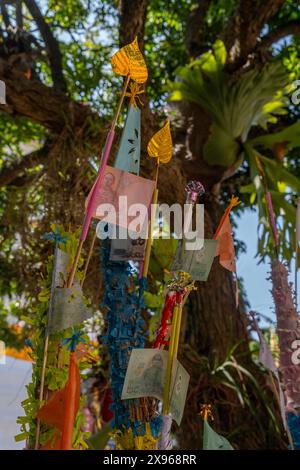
(165, 441)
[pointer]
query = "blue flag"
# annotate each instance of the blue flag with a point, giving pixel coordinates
(128, 156)
(213, 440)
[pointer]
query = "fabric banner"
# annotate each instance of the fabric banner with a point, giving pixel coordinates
(212, 440)
(129, 153)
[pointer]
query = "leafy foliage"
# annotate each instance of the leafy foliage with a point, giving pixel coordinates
(57, 363)
(236, 108)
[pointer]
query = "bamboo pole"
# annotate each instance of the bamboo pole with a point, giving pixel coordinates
(167, 387)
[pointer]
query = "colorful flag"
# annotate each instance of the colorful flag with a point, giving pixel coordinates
(128, 156)
(71, 404)
(225, 249)
(213, 440)
(121, 190)
(64, 401)
(130, 61)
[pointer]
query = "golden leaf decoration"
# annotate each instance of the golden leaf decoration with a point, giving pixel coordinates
(130, 61)
(160, 146)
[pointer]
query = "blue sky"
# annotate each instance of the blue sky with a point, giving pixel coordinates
(255, 276)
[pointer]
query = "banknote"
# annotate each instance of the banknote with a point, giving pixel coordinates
(123, 198)
(62, 261)
(195, 262)
(129, 249)
(145, 377)
(69, 308)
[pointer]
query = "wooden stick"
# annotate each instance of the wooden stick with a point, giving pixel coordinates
(149, 241)
(75, 264)
(46, 345)
(177, 333)
(166, 394)
(88, 258)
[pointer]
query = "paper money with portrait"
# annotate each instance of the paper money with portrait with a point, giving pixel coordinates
(145, 377)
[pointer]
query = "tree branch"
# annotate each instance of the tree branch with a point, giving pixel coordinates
(52, 46)
(19, 14)
(44, 105)
(290, 28)
(195, 27)
(11, 173)
(243, 30)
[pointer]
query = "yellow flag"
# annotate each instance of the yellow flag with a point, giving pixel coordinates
(160, 146)
(130, 61)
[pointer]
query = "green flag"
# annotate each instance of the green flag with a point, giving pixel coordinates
(128, 156)
(213, 440)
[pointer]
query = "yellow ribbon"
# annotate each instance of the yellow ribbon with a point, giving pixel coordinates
(135, 90)
(234, 201)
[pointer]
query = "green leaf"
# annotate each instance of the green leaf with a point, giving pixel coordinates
(291, 135)
(278, 173)
(220, 148)
(220, 52)
(21, 437)
(153, 300)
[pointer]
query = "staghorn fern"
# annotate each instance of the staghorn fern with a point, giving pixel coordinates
(257, 98)
(235, 106)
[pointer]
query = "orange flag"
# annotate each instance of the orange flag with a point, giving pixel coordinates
(225, 248)
(61, 410)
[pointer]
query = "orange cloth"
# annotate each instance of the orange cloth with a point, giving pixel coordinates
(61, 410)
(53, 444)
(225, 249)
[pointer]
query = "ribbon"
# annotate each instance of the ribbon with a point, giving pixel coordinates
(72, 341)
(234, 201)
(55, 237)
(165, 442)
(135, 90)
